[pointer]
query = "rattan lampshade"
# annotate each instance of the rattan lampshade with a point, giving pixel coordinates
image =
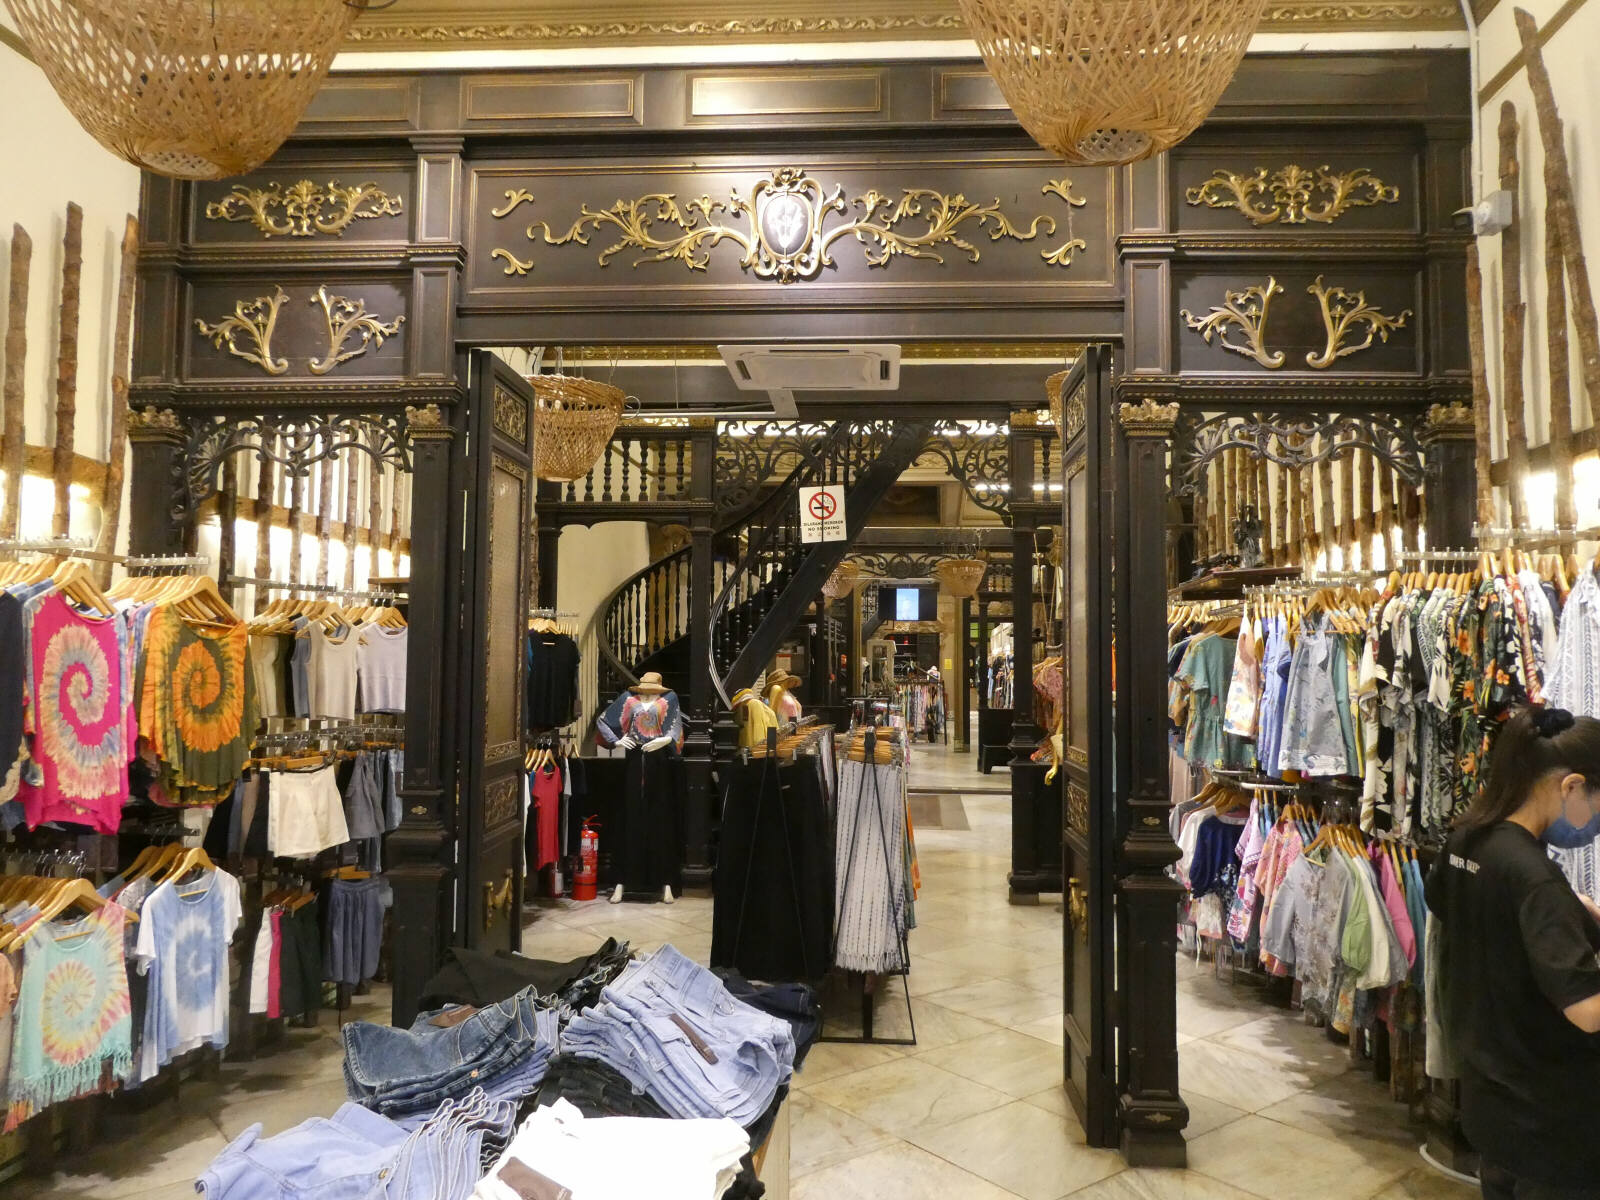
(573, 422)
(1111, 81)
(843, 580)
(961, 576)
(197, 89)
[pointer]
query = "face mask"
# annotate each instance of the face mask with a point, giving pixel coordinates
(1564, 835)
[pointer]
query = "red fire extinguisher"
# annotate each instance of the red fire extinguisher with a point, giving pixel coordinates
(587, 878)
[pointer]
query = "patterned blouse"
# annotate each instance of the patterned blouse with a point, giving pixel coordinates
(645, 717)
(197, 707)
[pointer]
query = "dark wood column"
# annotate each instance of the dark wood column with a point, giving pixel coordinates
(159, 518)
(1027, 777)
(963, 676)
(1451, 491)
(699, 753)
(549, 548)
(1151, 1113)
(418, 852)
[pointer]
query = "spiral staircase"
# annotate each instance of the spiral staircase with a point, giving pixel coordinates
(763, 578)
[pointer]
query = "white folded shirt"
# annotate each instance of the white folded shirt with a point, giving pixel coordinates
(621, 1158)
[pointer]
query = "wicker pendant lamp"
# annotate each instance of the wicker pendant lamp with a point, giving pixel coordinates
(196, 89)
(961, 576)
(1111, 81)
(573, 420)
(843, 580)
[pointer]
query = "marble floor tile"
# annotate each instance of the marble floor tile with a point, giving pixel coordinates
(1046, 1029)
(900, 1171)
(1005, 1060)
(907, 1094)
(821, 1135)
(163, 1154)
(1237, 1078)
(1206, 1114)
(1424, 1183)
(1053, 1099)
(999, 1000)
(928, 976)
(1259, 1155)
(1137, 1184)
(936, 1025)
(1023, 1148)
(986, 958)
(1353, 1109)
(828, 1060)
(1203, 1016)
(1286, 1039)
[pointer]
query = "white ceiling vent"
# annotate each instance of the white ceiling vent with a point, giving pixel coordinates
(784, 370)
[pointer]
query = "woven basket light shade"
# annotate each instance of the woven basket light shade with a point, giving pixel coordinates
(961, 576)
(1052, 389)
(843, 580)
(1111, 81)
(573, 422)
(197, 89)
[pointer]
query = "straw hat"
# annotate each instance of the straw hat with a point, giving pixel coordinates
(742, 696)
(784, 680)
(649, 685)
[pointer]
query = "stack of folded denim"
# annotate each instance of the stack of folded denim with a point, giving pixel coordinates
(359, 1153)
(673, 1031)
(406, 1074)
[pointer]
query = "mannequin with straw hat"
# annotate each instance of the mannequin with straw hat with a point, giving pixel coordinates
(779, 698)
(646, 722)
(754, 716)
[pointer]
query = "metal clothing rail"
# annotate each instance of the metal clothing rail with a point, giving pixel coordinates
(1422, 556)
(1506, 533)
(321, 589)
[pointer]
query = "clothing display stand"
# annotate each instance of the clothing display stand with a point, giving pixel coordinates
(867, 1036)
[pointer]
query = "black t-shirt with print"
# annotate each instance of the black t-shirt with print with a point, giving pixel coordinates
(1518, 948)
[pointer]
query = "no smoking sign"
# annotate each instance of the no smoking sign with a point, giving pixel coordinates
(822, 514)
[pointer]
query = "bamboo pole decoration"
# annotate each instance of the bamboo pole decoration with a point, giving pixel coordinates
(1558, 185)
(1305, 513)
(67, 369)
(228, 518)
(15, 384)
(1328, 522)
(297, 484)
(1264, 506)
(1200, 518)
(352, 497)
(1347, 505)
(121, 348)
(1368, 462)
(1230, 496)
(1282, 526)
(1410, 514)
(1483, 456)
(266, 494)
(392, 535)
(324, 512)
(1386, 521)
(1513, 322)
(374, 471)
(1560, 365)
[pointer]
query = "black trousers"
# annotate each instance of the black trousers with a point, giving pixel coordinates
(651, 837)
(772, 916)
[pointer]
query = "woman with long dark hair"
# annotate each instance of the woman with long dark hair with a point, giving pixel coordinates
(1518, 980)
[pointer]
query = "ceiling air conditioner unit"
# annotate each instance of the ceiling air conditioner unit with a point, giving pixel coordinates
(781, 371)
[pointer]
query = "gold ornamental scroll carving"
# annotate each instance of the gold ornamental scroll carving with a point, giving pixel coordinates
(1293, 195)
(1247, 311)
(347, 316)
(1342, 312)
(308, 207)
(247, 333)
(788, 226)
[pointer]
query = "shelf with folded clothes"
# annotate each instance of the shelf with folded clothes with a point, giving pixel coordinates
(517, 1070)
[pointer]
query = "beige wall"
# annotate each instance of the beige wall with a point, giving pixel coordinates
(49, 160)
(1569, 56)
(594, 560)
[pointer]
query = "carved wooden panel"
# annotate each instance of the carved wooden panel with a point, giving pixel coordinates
(259, 329)
(507, 610)
(1310, 192)
(788, 230)
(322, 205)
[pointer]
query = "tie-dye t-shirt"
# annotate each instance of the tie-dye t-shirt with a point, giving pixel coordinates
(70, 1027)
(184, 933)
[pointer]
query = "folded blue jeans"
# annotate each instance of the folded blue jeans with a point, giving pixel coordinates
(342, 1158)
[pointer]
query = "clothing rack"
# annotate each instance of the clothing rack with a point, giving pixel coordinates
(82, 547)
(553, 614)
(869, 743)
(1423, 556)
(1512, 536)
(321, 589)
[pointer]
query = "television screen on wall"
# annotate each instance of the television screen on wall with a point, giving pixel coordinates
(908, 604)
